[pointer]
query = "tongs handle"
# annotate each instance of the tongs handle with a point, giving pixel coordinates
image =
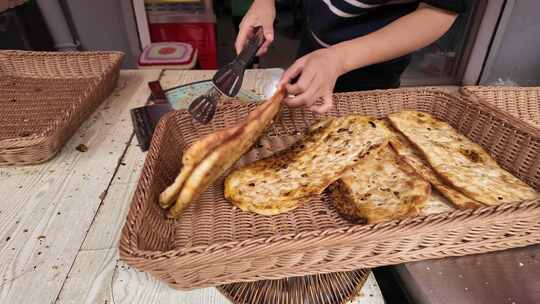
(228, 79)
(252, 46)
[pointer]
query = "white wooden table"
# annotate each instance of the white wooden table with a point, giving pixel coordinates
(60, 221)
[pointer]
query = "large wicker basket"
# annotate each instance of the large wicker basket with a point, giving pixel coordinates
(521, 102)
(213, 243)
(45, 96)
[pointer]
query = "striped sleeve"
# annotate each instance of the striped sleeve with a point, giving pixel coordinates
(456, 6)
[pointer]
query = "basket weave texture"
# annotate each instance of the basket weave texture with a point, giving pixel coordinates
(521, 102)
(45, 96)
(213, 243)
(326, 288)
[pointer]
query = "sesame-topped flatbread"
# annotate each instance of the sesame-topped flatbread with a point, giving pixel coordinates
(379, 188)
(416, 160)
(191, 158)
(216, 157)
(270, 185)
(436, 203)
(464, 165)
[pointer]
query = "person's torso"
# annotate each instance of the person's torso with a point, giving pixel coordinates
(240, 7)
(334, 21)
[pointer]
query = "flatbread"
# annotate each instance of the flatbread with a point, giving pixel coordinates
(459, 162)
(436, 203)
(191, 158)
(380, 188)
(416, 160)
(270, 185)
(231, 147)
(285, 204)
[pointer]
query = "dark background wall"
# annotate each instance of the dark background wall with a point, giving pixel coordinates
(515, 55)
(105, 25)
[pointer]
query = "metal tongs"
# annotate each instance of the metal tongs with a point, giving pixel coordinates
(227, 80)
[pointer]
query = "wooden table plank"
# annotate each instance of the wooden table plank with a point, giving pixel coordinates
(98, 277)
(46, 210)
(90, 279)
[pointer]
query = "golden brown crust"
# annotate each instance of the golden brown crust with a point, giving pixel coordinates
(436, 203)
(270, 208)
(197, 152)
(232, 145)
(306, 168)
(464, 165)
(414, 158)
(381, 187)
(344, 203)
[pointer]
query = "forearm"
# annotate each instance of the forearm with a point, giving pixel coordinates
(403, 36)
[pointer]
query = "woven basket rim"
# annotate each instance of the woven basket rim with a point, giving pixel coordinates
(74, 54)
(390, 225)
(501, 88)
(115, 56)
(476, 93)
(129, 250)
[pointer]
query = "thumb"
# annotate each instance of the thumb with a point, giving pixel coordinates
(292, 72)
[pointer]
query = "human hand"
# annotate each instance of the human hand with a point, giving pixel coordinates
(317, 73)
(261, 13)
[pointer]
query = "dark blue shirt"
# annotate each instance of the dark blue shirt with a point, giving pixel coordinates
(334, 21)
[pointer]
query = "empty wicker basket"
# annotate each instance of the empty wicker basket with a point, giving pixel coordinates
(521, 102)
(44, 98)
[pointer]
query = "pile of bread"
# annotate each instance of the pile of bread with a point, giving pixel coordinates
(407, 164)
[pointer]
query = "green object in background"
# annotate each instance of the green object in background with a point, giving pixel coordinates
(240, 7)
